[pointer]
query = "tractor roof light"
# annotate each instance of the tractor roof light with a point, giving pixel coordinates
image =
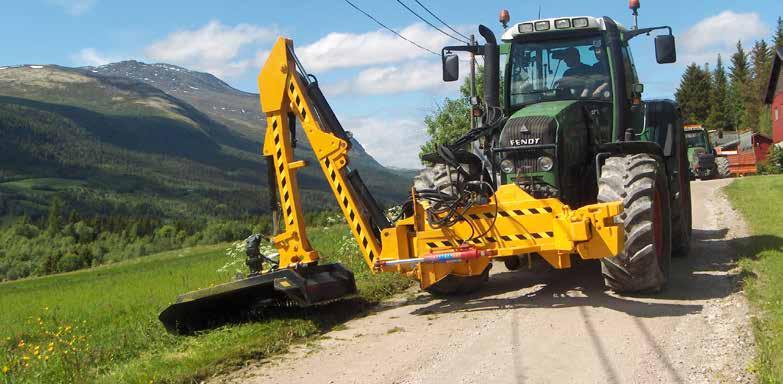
(581, 22)
(504, 17)
(562, 23)
(542, 25)
(634, 5)
(526, 28)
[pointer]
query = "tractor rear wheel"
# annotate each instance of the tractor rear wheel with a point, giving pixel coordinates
(639, 181)
(439, 177)
(723, 167)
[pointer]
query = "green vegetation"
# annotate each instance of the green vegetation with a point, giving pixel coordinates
(733, 102)
(64, 240)
(125, 169)
(757, 198)
(451, 119)
(100, 325)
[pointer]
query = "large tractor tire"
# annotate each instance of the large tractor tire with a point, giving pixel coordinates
(682, 207)
(639, 181)
(439, 177)
(444, 179)
(723, 167)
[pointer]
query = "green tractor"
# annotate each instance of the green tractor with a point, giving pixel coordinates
(562, 117)
(704, 161)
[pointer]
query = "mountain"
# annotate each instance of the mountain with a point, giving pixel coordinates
(237, 110)
(151, 139)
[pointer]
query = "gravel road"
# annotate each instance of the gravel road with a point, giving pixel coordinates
(551, 327)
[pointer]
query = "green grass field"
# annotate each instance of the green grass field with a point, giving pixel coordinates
(44, 184)
(100, 325)
(759, 199)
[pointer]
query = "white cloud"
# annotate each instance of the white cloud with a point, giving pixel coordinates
(410, 76)
(91, 57)
(413, 76)
(74, 7)
(719, 34)
(348, 50)
(392, 142)
(214, 48)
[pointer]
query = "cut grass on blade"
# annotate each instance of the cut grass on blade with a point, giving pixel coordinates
(759, 200)
(101, 325)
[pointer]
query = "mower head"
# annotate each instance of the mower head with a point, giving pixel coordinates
(303, 286)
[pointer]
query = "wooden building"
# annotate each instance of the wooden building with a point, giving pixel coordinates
(774, 96)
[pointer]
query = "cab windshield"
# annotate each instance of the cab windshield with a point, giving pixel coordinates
(695, 139)
(566, 69)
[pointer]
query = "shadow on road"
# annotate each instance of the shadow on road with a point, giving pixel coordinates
(708, 273)
(704, 275)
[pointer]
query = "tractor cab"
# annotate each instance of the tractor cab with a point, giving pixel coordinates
(569, 87)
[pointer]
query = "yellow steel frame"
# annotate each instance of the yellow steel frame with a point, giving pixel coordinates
(515, 223)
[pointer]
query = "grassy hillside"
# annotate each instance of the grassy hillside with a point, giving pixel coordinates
(101, 325)
(754, 197)
(134, 169)
(237, 110)
(117, 134)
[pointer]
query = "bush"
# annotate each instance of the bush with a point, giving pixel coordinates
(774, 163)
(28, 231)
(70, 262)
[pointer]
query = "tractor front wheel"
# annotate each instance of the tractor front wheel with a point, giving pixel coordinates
(723, 167)
(639, 181)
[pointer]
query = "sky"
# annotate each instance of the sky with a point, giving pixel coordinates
(380, 86)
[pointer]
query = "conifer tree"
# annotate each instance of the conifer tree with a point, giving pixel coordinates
(778, 38)
(719, 103)
(761, 59)
(54, 219)
(693, 95)
(739, 87)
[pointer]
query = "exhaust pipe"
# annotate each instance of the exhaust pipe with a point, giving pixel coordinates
(491, 68)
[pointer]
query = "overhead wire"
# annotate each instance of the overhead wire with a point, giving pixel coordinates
(389, 29)
(441, 20)
(430, 24)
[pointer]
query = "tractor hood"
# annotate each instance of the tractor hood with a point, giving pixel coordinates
(535, 124)
(548, 145)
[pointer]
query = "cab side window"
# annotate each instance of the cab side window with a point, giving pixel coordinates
(630, 70)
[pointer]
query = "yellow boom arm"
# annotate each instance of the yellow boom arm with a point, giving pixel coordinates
(512, 222)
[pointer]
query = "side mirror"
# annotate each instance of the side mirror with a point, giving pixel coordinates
(450, 68)
(665, 50)
(638, 89)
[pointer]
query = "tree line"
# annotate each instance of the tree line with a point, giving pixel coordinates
(731, 98)
(66, 239)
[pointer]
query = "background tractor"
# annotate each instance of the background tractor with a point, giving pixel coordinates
(704, 161)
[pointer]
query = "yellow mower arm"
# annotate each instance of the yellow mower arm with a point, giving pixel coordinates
(512, 222)
(287, 94)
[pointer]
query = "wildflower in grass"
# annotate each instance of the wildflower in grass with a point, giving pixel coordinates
(6, 369)
(21, 343)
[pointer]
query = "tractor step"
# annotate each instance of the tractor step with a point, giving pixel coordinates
(304, 286)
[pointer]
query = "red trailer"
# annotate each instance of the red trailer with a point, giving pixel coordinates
(745, 153)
